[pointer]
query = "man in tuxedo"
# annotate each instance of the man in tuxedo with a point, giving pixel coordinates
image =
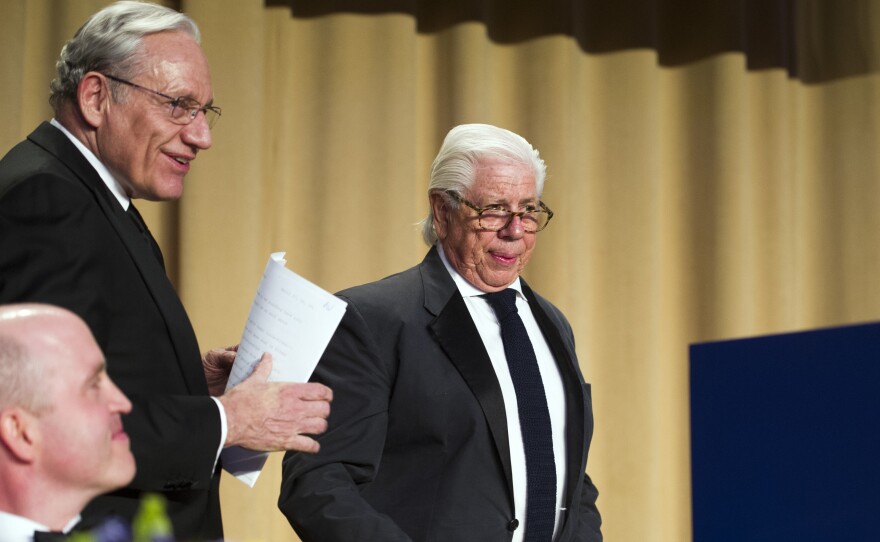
(460, 412)
(133, 107)
(61, 436)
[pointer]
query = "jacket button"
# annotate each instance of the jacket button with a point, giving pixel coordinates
(512, 526)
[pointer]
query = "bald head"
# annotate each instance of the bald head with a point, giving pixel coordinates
(31, 334)
(61, 430)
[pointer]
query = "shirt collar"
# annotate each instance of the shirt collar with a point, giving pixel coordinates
(102, 170)
(465, 288)
(20, 528)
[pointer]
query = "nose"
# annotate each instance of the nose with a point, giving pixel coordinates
(514, 229)
(116, 399)
(197, 133)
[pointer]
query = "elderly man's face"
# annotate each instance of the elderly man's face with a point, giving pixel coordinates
(84, 447)
(488, 260)
(147, 152)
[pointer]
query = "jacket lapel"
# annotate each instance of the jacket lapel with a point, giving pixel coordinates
(456, 333)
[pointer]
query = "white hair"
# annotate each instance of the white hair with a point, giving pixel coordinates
(454, 168)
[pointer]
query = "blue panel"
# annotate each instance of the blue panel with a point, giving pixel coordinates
(785, 437)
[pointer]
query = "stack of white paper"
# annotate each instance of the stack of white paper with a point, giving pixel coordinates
(293, 320)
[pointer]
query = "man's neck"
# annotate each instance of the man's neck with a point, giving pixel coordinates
(112, 183)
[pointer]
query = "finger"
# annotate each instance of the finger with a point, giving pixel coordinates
(309, 391)
(229, 356)
(299, 409)
(313, 426)
(263, 368)
(302, 443)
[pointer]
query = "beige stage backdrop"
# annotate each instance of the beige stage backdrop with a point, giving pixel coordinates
(713, 166)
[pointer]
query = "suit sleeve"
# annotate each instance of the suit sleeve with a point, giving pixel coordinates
(321, 494)
(53, 249)
(588, 521)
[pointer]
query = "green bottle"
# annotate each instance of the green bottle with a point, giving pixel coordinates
(81, 537)
(151, 523)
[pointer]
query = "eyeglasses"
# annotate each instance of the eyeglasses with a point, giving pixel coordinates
(183, 110)
(495, 218)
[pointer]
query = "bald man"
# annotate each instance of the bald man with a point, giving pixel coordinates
(61, 436)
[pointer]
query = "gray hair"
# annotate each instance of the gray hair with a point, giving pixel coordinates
(454, 168)
(109, 42)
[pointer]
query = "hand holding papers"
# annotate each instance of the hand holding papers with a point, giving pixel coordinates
(292, 319)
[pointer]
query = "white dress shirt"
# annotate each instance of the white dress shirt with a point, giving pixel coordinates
(490, 331)
(18, 529)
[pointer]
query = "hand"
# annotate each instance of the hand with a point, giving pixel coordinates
(272, 416)
(217, 364)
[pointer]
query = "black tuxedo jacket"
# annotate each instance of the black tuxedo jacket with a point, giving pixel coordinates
(65, 240)
(417, 445)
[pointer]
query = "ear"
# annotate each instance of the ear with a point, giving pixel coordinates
(441, 210)
(93, 97)
(19, 433)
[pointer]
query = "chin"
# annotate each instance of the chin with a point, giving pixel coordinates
(501, 281)
(124, 473)
(168, 196)
(165, 190)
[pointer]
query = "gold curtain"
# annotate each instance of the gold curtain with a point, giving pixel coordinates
(695, 199)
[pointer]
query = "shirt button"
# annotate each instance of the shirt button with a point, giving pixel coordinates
(512, 526)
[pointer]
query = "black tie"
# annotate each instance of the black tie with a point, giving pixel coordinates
(135, 217)
(534, 418)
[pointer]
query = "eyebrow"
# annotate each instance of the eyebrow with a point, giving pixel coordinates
(209, 103)
(96, 374)
(188, 96)
(525, 201)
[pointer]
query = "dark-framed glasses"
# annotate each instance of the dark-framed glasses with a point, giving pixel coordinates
(183, 110)
(495, 218)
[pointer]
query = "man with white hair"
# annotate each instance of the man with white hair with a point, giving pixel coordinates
(61, 437)
(461, 410)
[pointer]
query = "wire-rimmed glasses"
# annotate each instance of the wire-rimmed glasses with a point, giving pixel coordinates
(183, 109)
